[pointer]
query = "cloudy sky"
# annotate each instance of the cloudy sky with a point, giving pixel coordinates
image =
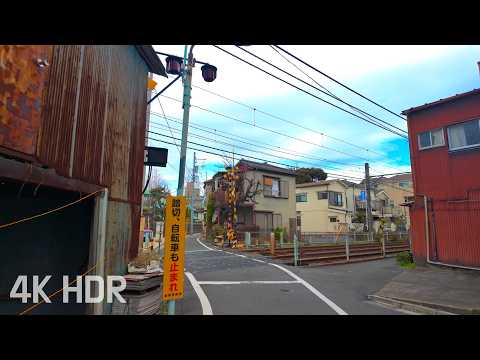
(293, 128)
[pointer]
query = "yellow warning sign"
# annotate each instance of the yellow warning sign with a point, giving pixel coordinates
(174, 260)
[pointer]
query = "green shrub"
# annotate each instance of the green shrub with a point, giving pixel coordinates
(405, 259)
(277, 233)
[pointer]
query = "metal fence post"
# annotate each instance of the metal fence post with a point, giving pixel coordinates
(347, 249)
(272, 243)
(295, 248)
(281, 239)
(247, 239)
(383, 245)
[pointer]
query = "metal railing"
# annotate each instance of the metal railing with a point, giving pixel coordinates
(255, 239)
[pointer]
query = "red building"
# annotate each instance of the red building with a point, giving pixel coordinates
(445, 155)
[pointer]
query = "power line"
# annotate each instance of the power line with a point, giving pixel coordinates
(288, 121)
(267, 129)
(322, 91)
(269, 146)
(338, 82)
(260, 152)
(315, 96)
(273, 131)
(243, 155)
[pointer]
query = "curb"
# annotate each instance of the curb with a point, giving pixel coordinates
(423, 309)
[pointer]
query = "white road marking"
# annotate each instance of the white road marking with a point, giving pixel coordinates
(258, 260)
(247, 282)
(209, 248)
(322, 297)
(191, 251)
(317, 293)
(206, 307)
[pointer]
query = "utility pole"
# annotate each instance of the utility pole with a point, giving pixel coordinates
(187, 88)
(192, 200)
(369, 202)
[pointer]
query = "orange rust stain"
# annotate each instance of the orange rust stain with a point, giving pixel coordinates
(22, 82)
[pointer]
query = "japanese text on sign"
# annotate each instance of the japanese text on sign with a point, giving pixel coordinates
(173, 264)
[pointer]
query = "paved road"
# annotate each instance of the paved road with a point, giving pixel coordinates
(226, 283)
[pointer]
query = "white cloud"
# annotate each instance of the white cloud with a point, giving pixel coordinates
(243, 83)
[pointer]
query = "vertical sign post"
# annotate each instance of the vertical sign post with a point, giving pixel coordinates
(174, 260)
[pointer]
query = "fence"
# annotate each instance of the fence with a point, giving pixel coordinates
(258, 239)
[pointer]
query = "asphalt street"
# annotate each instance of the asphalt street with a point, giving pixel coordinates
(224, 282)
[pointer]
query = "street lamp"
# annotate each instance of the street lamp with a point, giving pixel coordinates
(174, 65)
(209, 74)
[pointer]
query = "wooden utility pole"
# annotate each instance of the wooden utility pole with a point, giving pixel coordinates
(369, 203)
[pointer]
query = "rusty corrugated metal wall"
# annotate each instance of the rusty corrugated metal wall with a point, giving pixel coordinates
(455, 230)
(85, 117)
(22, 82)
(94, 117)
(94, 123)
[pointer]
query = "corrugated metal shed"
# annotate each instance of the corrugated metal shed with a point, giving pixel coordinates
(83, 116)
(22, 82)
(94, 117)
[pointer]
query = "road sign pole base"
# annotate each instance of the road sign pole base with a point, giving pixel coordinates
(171, 307)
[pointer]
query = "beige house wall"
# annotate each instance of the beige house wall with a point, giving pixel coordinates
(315, 214)
(285, 207)
(397, 194)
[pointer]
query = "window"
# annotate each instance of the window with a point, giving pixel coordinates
(302, 197)
(431, 139)
(333, 219)
(299, 219)
(409, 198)
(404, 184)
(322, 195)
(464, 136)
(274, 187)
(335, 198)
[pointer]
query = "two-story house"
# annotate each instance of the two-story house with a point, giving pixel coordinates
(392, 192)
(273, 204)
(445, 153)
(324, 206)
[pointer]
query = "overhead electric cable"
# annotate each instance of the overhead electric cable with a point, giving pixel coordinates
(339, 83)
(247, 156)
(288, 121)
(322, 91)
(252, 143)
(256, 151)
(315, 96)
(267, 129)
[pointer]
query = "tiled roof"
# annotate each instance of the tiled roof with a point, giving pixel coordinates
(266, 167)
(320, 183)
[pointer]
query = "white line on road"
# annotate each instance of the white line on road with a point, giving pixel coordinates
(326, 300)
(191, 251)
(248, 282)
(206, 307)
(258, 260)
(317, 293)
(208, 247)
